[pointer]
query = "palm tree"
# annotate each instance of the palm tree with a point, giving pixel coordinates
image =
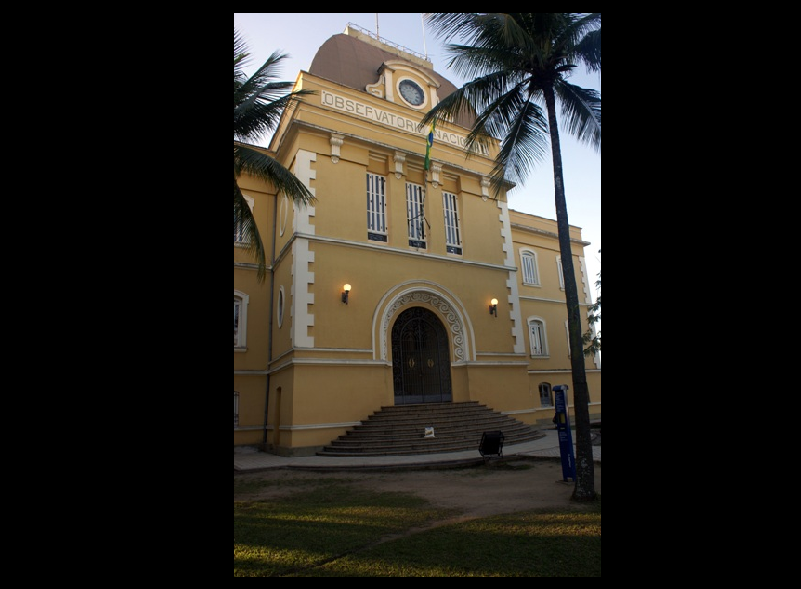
(258, 104)
(519, 63)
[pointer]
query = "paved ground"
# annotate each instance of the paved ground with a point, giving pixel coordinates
(545, 447)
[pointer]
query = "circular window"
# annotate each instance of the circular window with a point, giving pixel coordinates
(411, 92)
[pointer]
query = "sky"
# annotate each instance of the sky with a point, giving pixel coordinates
(301, 35)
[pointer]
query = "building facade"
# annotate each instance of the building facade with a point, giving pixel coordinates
(423, 254)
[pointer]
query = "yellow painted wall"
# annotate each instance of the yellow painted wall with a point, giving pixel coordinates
(250, 363)
(316, 391)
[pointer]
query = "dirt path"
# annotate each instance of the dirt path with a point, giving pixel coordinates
(477, 491)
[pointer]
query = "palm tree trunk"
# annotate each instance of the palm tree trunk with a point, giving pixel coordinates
(585, 467)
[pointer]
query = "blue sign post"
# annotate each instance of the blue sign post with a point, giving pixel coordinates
(562, 421)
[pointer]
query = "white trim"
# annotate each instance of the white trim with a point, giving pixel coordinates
(535, 269)
(544, 326)
(303, 257)
(302, 318)
(450, 310)
(385, 248)
(514, 297)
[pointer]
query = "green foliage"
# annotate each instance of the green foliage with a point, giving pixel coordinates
(519, 65)
(259, 101)
(517, 62)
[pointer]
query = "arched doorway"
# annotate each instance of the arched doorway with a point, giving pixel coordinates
(421, 360)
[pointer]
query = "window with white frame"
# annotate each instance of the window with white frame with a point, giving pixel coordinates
(453, 236)
(561, 272)
(239, 230)
(528, 262)
(240, 319)
(538, 340)
(376, 208)
(415, 214)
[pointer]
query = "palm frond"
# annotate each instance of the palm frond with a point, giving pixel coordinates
(581, 109)
(244, 222)
(259, 102)
(248, 160)
(450, 24)
(588, 51)
(501, 52)
(258, 114)
(525, 143)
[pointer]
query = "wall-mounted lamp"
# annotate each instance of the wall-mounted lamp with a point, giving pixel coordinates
(345, 293)
(494, 307)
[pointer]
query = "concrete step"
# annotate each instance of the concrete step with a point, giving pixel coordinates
(399, 430)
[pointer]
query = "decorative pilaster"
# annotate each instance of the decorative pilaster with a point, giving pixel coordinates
(336, 142)
(400, 159)
(435, 172)
(485, 184)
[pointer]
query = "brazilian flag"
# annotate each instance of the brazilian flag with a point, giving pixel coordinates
(429, 143)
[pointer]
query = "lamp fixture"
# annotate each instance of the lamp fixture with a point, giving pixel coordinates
(345, 293)
(493, 308)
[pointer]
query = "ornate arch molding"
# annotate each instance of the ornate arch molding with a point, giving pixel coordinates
(445, 304)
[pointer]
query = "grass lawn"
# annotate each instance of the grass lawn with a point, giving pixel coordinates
(328, 528)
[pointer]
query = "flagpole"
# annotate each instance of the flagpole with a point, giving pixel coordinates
(377, 34)
(424, 35)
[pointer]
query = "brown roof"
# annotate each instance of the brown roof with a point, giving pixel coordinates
(355, 64)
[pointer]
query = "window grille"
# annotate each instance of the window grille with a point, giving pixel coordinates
(537, 330)
(453, 238)
(376, 208)
(415, 214)
(529, 263)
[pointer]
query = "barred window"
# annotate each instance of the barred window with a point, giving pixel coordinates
(528, 261)
(376, 208)
(415, 214)
(539, 345)
(453, 237)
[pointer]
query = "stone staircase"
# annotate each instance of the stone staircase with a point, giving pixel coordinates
(399, 430)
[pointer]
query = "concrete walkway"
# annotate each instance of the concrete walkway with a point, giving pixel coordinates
(545, 447)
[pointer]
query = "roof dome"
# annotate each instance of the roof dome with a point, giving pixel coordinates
(354, 63)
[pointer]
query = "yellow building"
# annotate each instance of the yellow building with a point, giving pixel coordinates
(424, 252)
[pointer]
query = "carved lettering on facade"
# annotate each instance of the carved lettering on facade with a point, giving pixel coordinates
(377, 115)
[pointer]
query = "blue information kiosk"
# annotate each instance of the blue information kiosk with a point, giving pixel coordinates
(562, 421)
